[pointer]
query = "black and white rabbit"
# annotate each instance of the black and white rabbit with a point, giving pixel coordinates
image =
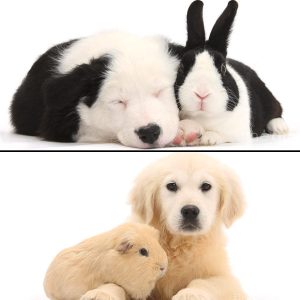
(221, 100)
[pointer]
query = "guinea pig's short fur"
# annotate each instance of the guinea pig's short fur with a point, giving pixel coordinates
(226, 97)
(129, 256)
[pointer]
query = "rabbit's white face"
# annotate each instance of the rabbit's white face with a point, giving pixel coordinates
(202, 92)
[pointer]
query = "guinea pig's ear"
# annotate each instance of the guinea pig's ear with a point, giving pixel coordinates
(195, 26)
(143, 196)
(232, 202)
(124, 246)
(219, 37)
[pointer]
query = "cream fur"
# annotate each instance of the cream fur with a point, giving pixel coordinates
(101, 267)
(198, 264)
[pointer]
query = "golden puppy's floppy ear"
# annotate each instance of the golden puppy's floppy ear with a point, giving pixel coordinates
(143, 196)
(232, 197)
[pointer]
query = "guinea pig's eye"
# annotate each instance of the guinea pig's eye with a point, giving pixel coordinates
(223, 69)
(205, 187)
(144, 252)
(172, 186)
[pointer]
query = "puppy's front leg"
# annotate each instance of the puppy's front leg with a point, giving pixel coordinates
(214, 288)
(108, 291)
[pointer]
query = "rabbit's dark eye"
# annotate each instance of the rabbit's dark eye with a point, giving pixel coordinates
(205, 187)
(144, 252)
(172, 186)
(223, 69)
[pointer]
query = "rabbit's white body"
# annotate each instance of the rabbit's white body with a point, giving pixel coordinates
(228, 126)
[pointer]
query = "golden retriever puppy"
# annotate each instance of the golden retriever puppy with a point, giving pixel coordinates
(123, 263)
(188, 198)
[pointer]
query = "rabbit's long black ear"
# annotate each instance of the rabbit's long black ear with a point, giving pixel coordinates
(220, 33)
(195, 26)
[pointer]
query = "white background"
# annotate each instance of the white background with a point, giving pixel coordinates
(266, 36)
(52, 201)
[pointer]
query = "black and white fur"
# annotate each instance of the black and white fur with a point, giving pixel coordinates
(221, 100)
(110, 87)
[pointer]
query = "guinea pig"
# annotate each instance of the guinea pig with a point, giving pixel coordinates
(220, 100)
(128, 258)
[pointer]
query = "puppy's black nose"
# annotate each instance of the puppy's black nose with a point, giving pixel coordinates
(190, 212)
(149, 134)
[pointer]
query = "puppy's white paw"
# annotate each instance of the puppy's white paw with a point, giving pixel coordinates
(211, 138)
(189, 133)
(97, 294)
(192, 294)
(278, 126)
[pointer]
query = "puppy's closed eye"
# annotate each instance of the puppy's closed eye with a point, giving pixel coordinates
(160, 91)
(123, 103)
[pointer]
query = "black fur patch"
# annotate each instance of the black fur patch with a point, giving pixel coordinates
(63, 93)
(46, 103)
(28, 106)
(264, 106)
(176, 50)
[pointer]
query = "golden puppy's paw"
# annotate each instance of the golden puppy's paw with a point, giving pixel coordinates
(189, 133)
(192, 294)
(97, 294)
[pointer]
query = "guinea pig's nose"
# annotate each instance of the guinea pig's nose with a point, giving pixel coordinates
(149, 134)
(190, 212)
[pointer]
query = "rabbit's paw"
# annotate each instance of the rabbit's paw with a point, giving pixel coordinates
(192, 294)
(211, 138)
(189, 133)
(278, 126)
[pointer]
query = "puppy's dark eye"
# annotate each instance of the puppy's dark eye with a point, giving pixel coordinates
(144, 252)
(205, 187)
(172, 187)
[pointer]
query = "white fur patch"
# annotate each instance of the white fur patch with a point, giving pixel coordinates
(278, 126)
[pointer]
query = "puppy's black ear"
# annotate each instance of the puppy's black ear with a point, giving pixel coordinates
(195, 26)
(62, 94)
(84, 81)
(219, 37)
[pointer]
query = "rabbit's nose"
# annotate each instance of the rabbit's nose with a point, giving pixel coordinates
(202, 95)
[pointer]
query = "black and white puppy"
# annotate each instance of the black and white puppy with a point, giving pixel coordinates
(110, 87)
(226, 100)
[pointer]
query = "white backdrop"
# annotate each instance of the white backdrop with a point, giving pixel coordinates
(52, 201)
(265, 37)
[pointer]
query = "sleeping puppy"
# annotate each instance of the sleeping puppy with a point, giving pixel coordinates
(188, 197)
(110, 87)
